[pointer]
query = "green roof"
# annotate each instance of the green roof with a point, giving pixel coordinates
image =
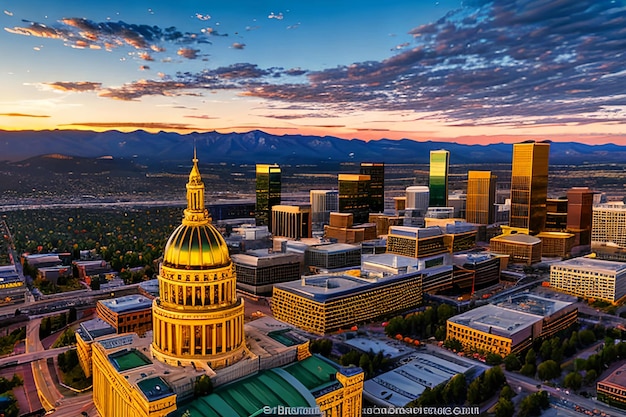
(289, 386)
(128, 359)
(313, 372)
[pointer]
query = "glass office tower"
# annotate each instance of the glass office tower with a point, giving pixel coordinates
(481, 197)
(267, 193)
(376, 171)
(438, 183)
(529, 186)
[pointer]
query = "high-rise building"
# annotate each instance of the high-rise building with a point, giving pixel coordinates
(529, 186)
(354, 196)
(481, 197)
(376, 171)
(609, 224)
(438, 182)
(580, 214)
(323, 202)
(268, 188)
(291, 221)
(198, 318)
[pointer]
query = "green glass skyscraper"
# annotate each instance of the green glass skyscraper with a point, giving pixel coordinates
(438, 182)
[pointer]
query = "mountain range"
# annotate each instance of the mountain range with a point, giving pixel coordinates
(159, 149)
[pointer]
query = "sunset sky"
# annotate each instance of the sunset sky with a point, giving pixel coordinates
(470, 71)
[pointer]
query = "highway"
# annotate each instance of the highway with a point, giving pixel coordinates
(48, 393)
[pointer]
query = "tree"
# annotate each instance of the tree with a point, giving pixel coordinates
(590, 376)
(95, 283)
(455, 390)
(474, 394)
(504, 408)
(507, 392)
(533, 404)
(531, 357)
(493, 359)
(586, 337)
(321, 346)
(365, 363)
(573, 380)
(72, 315)
(528, 370)
(548, 370)
(512, 363)
(203, 386)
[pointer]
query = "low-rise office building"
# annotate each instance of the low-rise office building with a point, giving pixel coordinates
(257, 271)
(131, 313)
(415, 242)
(323, 303)
(12, 288)
(612, 389)
(590, 278)
(87, 332)
(520, 247)
(513, 325)
(556, 244)
(332, 256)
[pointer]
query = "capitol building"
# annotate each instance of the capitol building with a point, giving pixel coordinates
(198, 329)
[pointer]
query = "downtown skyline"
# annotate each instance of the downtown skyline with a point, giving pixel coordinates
(470, 72)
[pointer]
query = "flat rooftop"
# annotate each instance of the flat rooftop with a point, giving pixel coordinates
(325, 287)
(336, 247)
(94, 328)
(497, 320)
(154, 388)
(125, 360)
(127, 303)
(618, 377)
(420, 371)
(533, 304)
(591, 264)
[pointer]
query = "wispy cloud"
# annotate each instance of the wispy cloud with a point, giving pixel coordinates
(76, 86)
(23, 115)
(133, 125)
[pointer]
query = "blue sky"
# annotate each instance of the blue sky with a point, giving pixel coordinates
(470, 71)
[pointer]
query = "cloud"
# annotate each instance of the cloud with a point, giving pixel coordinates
(202, 116)
(23, 115)
(188, 53)
(76, 86)
(515, 59)
(238, 45)
(133, 125)
(85, 33)
(503, 62)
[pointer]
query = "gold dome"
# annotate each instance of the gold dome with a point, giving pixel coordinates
(196, 247)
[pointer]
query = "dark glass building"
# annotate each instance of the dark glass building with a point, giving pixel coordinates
(376, 171)
(354, 196)
(267, 193)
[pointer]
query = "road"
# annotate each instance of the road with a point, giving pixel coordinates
(529, 384)
(23, 358)
(48, 393)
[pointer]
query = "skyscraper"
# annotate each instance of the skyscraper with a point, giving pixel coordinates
(481, 197)
(376, 171)
(323, 202)
(354, 196)
(438, 182)
(580, 214)
(267, 193)
(529, 186)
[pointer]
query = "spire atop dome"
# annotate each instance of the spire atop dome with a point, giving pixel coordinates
(195, 213)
